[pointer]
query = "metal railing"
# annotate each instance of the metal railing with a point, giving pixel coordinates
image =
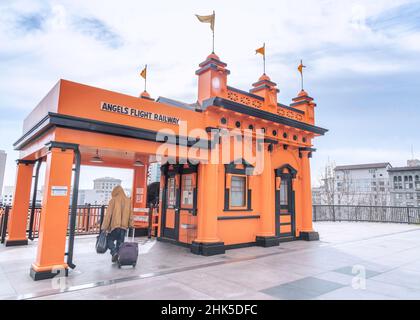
(410, 215)
(88, 220)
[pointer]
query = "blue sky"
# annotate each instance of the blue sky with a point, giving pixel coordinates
(362, 58)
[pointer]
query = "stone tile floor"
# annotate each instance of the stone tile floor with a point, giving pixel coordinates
(352, 261)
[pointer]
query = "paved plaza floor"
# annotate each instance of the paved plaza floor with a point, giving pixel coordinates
(351, 261)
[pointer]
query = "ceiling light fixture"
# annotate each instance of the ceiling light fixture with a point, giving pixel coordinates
(96, 158)
(138, 163)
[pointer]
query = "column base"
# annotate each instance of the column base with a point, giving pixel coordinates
(208, 249)
(48, 274)
(12, 243)
(269, 241)
(309, 235)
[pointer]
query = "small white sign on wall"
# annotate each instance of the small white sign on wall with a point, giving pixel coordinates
(59, 191)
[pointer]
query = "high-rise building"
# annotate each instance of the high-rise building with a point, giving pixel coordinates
(3, 157)
(405, 184)
(104, 186)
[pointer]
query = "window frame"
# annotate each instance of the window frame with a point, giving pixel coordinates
(243, 169)
(245, 192)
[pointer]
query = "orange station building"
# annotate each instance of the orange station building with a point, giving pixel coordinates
(208, 207)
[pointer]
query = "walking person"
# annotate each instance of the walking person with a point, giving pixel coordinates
(118, 218)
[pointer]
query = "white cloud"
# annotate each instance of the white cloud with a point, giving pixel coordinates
(333, 35)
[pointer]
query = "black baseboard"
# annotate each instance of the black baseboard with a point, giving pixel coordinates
(43, 275)
(309, 235)
(208, 249)
(240, 245)
(266, 242)
(12, 243)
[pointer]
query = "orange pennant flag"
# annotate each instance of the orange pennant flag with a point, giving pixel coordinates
(261, 50)
(300, 67)
(143, 73)
(207, 19)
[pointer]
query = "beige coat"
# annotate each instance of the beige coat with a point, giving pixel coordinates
(119, 213)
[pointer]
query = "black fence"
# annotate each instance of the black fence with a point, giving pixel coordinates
(88, 220)
(410, 215)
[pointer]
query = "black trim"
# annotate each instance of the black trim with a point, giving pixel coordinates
(208, 249)
(292, 171)
(43, 275)
(90, 125)
(34, 194)
(241, 108)
(267, 241)
(231, 167)
(240, 245)
(238, 217)
(14, 243)
(309, 235)
(25, 162)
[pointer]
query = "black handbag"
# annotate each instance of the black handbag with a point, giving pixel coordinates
(101, 243)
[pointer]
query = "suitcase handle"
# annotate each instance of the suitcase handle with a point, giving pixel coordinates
(132, 232)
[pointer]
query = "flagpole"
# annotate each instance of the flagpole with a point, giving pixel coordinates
(145, 78)
(214, 23)
(264, 58)
(301, 74)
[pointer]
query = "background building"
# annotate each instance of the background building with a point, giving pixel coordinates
(8, 191)
(103, 188)
(405, 184)
(360, 184)
(3, 157)
(374, 184)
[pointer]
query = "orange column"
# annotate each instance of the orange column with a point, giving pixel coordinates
(207, 242)
(139, 195)
(266, 236)
(18, 219)
(54, 215)
(307, 232)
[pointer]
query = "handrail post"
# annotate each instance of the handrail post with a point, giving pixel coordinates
(5, 221)
(149, 231)
(102, 216)
(73, 212)
(408, 215)
(88, 218)
(34, 196)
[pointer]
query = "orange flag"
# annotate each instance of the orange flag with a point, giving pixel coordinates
(207, 19)
(300, 67)
(261, 50)
(143, 73)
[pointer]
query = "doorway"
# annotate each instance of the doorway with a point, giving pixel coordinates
(285, 203)
(179, 202)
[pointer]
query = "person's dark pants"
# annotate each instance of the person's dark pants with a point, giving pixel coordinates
(114, 240)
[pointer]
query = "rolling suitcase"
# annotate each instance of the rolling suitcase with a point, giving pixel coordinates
(128, 253)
